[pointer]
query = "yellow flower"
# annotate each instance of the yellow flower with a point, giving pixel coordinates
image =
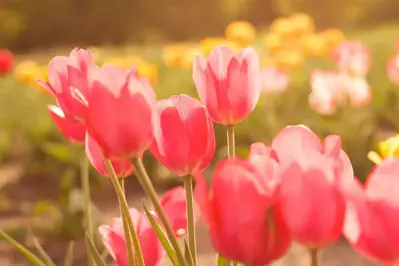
(333, 36)
(173, 55)
(209, 43)
(189, 56)
(282, 26)
(241, 32)
(302, 23)
(288, 59)
(28, 71)
(388, 148)
(314, 44)
(273, 42)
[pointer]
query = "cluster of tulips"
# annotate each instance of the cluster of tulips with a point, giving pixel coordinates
(297, 189)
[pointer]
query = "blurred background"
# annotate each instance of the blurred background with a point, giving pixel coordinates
(39, 169)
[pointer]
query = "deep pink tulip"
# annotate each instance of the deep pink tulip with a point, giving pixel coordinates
(120, 112)
(122, 167)
(69, 74)
(352, 57)
(6, 61)
(113, 238)
(274, 80)
(174, 205)
(372, 215)
(393, 69)
(239, 212)
(185, 141)
(71, 129)
(228, 84)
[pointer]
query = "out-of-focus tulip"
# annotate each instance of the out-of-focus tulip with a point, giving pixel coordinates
(173, 54)
(6, 61)
(192, 149)
(228, 84)
(289, 59)
(274, 80)
(241, 32)
(120, 112)
(113, 238)
(122, 167)
(302, 23)
(388, 148)
(352, 57)
(332, 36)
(189, 57)
(358, 90)
(314, 45)
(72, 130)
(240, 215)
(316, 172)
(282, 26)
(273, 42)
(174, 204)
(67, 74)
(209, 44)
(372, 214)
(28, 72)
(393, 69)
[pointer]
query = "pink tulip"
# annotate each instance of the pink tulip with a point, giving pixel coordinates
(174, 205)
(72, 130)
(120, 112)
(67, 74)
(239, 212)
(122, 167)
(185, 141)
(113, 238)
(274, 80)
(393, 69)
(372, 215)
(352, 57)
(6, 61)
(227, 83)
(358, 91)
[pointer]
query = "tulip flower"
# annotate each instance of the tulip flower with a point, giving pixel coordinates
(239, 212)
(228, 84)
(393, 69)
(192, 149)
(174, 204)
(69, 74)
(316, 171)
(358, 91)
(274, 80)
(72, 130)
(6, 61)
(372, 214)
(173, 54)
(122, 167)
(388, 148)
(352, 57)
(241, 32)
(120, 108)
(302, 23)
(28, 72)
(113, 238)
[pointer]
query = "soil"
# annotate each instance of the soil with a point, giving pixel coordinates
(22, 193)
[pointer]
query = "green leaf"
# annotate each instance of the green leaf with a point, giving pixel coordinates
(220, 261)
(48, 261)
(94, 252)
(24, 251)
(187, 253)
(161, 235)
(69, 256)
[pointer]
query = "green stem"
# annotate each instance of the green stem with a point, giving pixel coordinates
(188, 186)
(313, 252)
(128, 237)
(126, 217)
(88, 218)
(231, 149)
(149, 190)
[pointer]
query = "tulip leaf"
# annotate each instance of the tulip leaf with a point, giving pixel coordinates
(69, 256)
(24, 251)
(220, 261)
(46, 258)
(161, 235)
(187, 253)
(94, 252)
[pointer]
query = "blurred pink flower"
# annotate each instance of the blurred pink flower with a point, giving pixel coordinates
(393, 69)
(357, 90)
(274, 80)
(352, 57)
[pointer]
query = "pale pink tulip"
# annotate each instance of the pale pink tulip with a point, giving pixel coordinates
(274, 80)
(358, 91)
(393, 69)
(227, 83)
(352, 57)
